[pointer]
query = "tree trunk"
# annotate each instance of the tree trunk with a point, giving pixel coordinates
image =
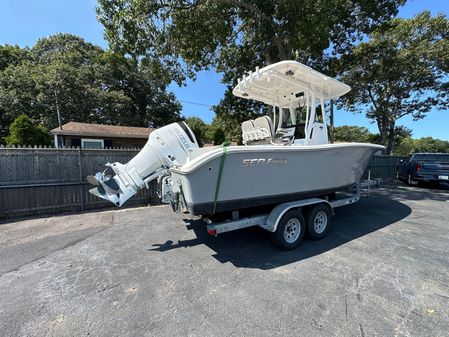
(383, 128)
(383, 135)
(390, 145)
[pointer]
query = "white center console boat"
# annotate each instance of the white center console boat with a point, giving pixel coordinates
(285, 157)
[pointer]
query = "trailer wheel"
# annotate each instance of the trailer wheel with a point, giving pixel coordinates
(318, 221)
(290, 230)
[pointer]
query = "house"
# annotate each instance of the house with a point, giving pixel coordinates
(99, 136)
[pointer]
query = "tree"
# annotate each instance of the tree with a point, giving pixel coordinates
(208, 33)
(200, 129)
(426, 144)
(219, 136)
(401, 70)
(84, 82)
(12, 55)
(351, 133)
(179, 37)
(405, 144)
(147, 102)
(228, 124)
(25, 131)
(18, 94)
(65, 79)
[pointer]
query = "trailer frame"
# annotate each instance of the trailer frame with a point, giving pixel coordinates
(270, 221)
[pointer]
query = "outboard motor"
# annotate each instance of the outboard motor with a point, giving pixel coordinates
(166, 147)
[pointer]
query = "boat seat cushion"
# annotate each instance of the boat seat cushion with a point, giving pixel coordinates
(259, 131)
(265, 122)
(247, 125)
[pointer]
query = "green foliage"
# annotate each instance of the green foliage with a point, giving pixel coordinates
(205, 33)
(401, 70)
(358, 134)
(200, 129)
(427, 144)
(405, 144)
(86, 83)
(24, 131)
(229, 124)
(18, 94)
(219, 131)
(351, 133)
(219, 136)
(12, 55)
(179, 37)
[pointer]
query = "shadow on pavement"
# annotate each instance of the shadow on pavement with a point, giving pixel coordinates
(251, 247)
(438, 192)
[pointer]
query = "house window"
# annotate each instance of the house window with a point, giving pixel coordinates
(92, 143)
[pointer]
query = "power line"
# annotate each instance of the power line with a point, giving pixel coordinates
(195, 103)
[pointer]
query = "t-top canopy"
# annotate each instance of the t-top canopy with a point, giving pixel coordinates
(282, 83)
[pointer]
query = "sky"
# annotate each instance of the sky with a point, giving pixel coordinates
(23, 22)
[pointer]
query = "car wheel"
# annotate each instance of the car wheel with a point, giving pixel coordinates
(290, 230)
(410, 181)
(318, 221)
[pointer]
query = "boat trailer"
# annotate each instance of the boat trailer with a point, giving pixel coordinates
(287, 222)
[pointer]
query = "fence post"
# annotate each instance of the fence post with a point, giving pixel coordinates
(81, 179)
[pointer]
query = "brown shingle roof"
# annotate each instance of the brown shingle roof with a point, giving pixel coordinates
(101, 130)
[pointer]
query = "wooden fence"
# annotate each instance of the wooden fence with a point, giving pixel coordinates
(48, 180)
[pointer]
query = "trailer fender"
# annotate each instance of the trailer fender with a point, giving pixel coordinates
(276, 214)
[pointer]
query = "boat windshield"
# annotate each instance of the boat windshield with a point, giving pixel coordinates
(292, 118)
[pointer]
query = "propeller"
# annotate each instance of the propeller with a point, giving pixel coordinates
(100, 179)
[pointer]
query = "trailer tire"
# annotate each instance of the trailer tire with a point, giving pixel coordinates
(318, 221)
(290, 230)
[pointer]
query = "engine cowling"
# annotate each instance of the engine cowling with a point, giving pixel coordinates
(166, 147)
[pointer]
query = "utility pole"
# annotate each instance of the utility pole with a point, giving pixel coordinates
(57, 110)
(331, 120)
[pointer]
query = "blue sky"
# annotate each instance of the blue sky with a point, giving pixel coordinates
(23, 22)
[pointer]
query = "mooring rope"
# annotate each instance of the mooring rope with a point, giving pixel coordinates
(220, 174)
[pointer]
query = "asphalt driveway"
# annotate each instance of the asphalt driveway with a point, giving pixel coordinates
(383, 270)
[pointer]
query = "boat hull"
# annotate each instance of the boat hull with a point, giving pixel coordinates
(251, 176)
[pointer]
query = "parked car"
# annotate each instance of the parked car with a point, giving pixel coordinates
(424, 167)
